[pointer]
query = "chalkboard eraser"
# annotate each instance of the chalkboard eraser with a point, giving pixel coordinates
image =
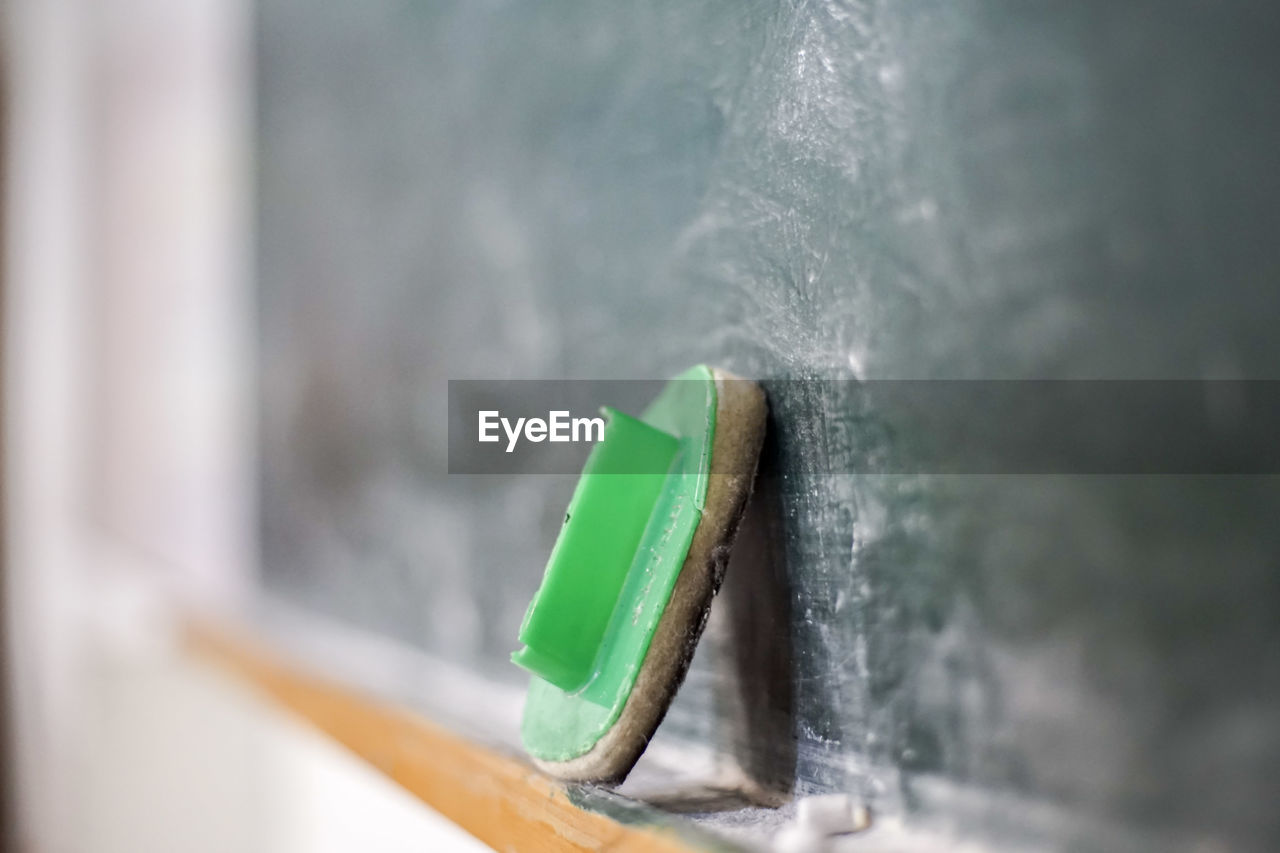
(610, 633)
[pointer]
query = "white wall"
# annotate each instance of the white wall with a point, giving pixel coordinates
(185, 758)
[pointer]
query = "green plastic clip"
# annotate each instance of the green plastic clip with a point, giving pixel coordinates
(625, 537)
(565, 627)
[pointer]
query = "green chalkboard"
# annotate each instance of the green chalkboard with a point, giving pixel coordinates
(972, 189)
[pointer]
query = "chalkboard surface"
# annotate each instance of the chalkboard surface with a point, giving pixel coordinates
(993, 189)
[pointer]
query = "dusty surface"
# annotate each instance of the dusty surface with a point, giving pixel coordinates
(975, 189)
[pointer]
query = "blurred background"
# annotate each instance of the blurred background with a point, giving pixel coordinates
(129, 486)
(246, 244)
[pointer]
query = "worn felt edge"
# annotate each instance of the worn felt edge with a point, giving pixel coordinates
(735, 452)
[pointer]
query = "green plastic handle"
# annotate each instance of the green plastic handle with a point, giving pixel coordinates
(565, 625)
(625, 538)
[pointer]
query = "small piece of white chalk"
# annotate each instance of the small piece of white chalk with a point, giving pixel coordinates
(795, 838)
(832, 814)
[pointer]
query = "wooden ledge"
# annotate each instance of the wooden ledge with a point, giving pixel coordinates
(499, 799)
